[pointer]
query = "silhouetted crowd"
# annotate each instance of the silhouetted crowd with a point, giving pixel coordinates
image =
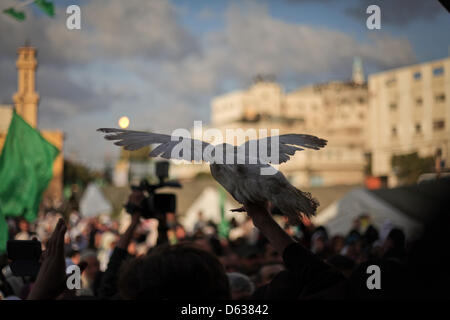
(134, 258)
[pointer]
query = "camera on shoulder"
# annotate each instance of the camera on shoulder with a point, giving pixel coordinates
(155, 205)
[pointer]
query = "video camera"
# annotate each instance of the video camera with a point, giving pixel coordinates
(156, 205)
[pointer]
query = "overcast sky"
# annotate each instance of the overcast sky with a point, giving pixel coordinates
(161, 62)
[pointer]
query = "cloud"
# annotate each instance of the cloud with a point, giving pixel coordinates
(306, 1)
(206, 14)
(399, 51)
(110, 30)
(399, 12)
(8, 81)
(135, 58)
(254, 42)
(393, 12)
(63, 97)
(111, 33)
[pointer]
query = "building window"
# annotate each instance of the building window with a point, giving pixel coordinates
(361, 100)
(439, 71)
(438, 125)
(316, 181)
(439, 97)
(419, 101)
(394, 131)
(417, 76)
(390, 82)
(393, 106)
(418, 128)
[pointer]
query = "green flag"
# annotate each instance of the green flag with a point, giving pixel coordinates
(46, 6)
(18, 15)
(26, 168)
(224, 225)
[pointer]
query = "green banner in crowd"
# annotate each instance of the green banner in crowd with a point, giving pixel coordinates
(26, 168)
(224, 225)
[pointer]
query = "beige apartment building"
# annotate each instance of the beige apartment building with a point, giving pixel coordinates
(336, 111)
(409, 112)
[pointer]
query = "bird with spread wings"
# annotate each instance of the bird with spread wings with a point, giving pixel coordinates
(242, 177)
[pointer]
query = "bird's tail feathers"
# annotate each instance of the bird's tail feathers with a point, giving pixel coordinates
(296, 203)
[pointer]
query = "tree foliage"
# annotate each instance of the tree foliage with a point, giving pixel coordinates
(75, 173)
(140, 155)
(409, 167)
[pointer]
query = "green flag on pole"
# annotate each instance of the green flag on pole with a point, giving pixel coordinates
(26, 168)
(224, 225)
(18, 15)
(46, 6)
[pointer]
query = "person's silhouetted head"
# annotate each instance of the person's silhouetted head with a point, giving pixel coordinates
(241, 286)
(394, 245)
(174, 272)
(343, 264)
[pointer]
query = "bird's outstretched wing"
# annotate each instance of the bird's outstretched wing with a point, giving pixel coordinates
(170, 147)
(287, 145)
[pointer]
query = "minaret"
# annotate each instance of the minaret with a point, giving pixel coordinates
(26, 98)
(358, 73)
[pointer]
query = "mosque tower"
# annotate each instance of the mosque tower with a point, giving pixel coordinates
(358, 73)
(26, 98)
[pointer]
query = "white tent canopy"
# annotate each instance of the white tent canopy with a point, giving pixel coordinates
(93, 203)
(208, 202)
(339, 216)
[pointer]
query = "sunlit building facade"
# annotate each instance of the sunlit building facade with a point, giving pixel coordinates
(409, 112)
(336, 111)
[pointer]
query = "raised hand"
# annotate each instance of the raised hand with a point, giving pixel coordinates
(263, 220)
(51, 279)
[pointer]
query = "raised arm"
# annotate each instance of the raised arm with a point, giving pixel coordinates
(51, 279)
(263, 220)
(307, 276)
(108, 288)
